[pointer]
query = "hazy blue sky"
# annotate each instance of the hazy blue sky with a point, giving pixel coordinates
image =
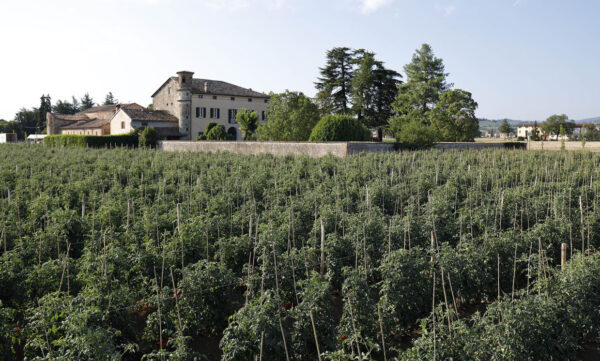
(523, 59)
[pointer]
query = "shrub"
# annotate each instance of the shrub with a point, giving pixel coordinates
(217, 132)
(416, 135)
(339, 128)
(148, 138)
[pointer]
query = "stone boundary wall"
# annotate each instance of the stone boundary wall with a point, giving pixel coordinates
(479, 146)
(276, 148)
(313, 149)
(571, 146)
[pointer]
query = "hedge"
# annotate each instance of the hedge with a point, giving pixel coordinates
(94, 141)
(339, 128)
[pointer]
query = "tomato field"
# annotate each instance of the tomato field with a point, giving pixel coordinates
(117, 254)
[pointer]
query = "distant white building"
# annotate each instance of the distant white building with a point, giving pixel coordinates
(8, 138)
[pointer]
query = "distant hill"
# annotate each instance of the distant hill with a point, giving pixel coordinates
(589, 120)
(489, 124)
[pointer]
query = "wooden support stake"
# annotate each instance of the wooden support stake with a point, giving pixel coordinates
(381, 329)
(312, 320)
(563, 256)
(322, 248)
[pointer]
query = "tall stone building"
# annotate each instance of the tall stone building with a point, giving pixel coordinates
(197, 102)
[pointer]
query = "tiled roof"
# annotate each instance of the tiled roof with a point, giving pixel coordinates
(111, 108)
(217, 87)
(150, 115)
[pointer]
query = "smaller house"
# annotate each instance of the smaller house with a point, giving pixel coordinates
(126, 120)
(92, 121)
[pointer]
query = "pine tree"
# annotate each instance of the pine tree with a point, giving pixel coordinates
(425, 82)
(87, 102)
(335, 83)
(110, 99)
(45, 107)
(374, 89)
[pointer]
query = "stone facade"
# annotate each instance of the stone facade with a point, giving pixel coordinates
(197, 102)
(93, 121)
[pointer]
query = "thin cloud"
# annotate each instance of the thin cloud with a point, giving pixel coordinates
(446, 10)
(234, 5)
(370, 6)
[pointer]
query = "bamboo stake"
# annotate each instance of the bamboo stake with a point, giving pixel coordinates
(312, 320)
(179, 329)
(512, 295)
(262, 338)
(581, 227)
(498, 276)
(354, 328)
(563, 256)
(381, 329)
(159, 316)
(322, 268)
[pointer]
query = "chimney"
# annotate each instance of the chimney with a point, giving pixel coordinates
(206, 87)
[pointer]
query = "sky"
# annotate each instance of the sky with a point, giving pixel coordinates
(521, 59)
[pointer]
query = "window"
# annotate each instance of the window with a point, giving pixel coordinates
(250, 100)
(232, 98)
(169, 90)
(214, 97)
(122, 125)
(264, 115)
(215, 113)
(231, 115)
(266, 100)
(200, 112)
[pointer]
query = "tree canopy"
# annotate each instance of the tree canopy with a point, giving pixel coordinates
(427, 98)
(553, 124)
(505, 127)
(291, 116)
(248, 121)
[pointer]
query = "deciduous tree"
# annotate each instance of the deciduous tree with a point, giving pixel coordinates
(291, 117)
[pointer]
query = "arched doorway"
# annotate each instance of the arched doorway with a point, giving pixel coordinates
(232, 133)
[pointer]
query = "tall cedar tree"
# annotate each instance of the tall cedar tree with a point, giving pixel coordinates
(45, 107)
(505, 128)
(87, 102)
(110, 99)
(335, 83)
(374, 89)
(425, 82)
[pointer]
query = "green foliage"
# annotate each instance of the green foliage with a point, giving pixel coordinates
(248, 121)
(257, 321)
(217, 132)
(291, 117)
(535, 133)
(553, 124)
(426, 98)
(86, 102)
(413, 134)
(425, 82)
(335, 83)
(334, 128)
(94, 241)
(453, 118)
(505, 128)
(148, 137)
(543, 326)
(111, 100)
(96, 141)
(374, 88)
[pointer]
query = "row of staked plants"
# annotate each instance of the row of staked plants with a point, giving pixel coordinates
(136, 254)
